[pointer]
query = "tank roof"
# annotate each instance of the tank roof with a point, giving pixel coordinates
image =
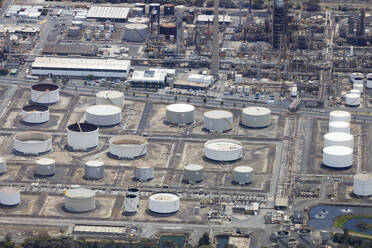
(339, 124)
(82, 127)
(243, 169)
(218, 114)
(80, 193)
(135, 26)
(339, 113)
(180, 107)
(164, 197)
(103, 110)
(338, 150)
(364, 176)
(44, 87)
(9, 190)
(256, 111)
(193, 167)
(35, 107)
(109, 94)
(223, 144)
(338, 136)
(127, 140)
(32, 135)
(45, 161)
(94, 163)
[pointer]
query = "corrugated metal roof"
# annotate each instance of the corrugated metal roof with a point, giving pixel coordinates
(108, 12)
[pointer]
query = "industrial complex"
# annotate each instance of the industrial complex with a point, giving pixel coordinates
(248, 121)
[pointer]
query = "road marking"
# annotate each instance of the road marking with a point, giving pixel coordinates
(43, 21)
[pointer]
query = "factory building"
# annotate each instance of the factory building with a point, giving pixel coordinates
(195, 82)
(77, 67)
(208, 19)
(152, 78)
(102, 14)
(69, 49)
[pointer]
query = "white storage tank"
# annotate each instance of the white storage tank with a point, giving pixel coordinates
(10, 196)
(133, 191)
(80, 200)
(164, 203)
(369, 81)
(110, 97)
(144, 173)
(362, 185)
(130, 204)
(128, 146)
(94, 170)
(243, 175)
(45, 167)
(45, 93)
(2, 165)
(339, 127)
(255, 117)
(103, 115)
(180, 114)
(339, 116)
(139, 20)
(193, 173)
(357, 77)
(355, 91)
(338, 157)
(218, 120)
(358, 87)
(352, 100)
(32, 143)
(338, 139)
(223, 149)
(35, 114)
(135, 32)
(82, 136)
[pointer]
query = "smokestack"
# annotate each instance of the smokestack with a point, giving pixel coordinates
(361, 28)
(179, 29)
(216, 46)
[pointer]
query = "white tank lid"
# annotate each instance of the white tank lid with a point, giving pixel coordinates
(243, 169)
(180, 107)
(45, 161)
(339, 124)
(193, 167)
(353, 95)
(340, 114)
(164, 197)
(103, 110)
(338, 136)
(94, 163)
(218, 114)
(256, 111)
(109, 94)
(364, 176)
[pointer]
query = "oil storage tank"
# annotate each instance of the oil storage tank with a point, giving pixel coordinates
(130, 204)
(154, 6)
(94, 170)
(362, 184)
(218, 120)
(352, 100)
(103, 115)
(339, 127)
(82, 136)
(243, 175)
(10, 196)
(2, 165)
(35, 114)
(338, 139)
(193, 173)
(32, 143)
(223, 150)
(142, 6)
(80, 200)
(45, 93)
(169, 9)
(255, 117)
(358, 87)
(355, 91)
(45, 167)
(168, 28)
(339, 116)
(144, 173)
(164, 203)
(338, 157)
(139, 20)
(180, 114)
(369, 81)
(128, 146)
(110, 97)
(135, 32)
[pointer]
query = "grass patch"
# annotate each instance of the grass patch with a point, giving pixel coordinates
(342, 219)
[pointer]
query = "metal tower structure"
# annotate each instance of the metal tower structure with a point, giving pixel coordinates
(179, 30)
(216, 46)
(280, 23)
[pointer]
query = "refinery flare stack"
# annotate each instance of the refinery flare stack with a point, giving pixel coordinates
(338, 143)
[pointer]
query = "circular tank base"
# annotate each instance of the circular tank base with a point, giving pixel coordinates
(352, 106)
(129, 213)
(43, 176)
(9, 206)
(191, 182)
(160, 214)
(178, 125)
(30, 155)
(240, 184)
(335, 168)
(91, 178)
(110, 155)
(211, 131)
(104, 126)
(32, 124)
(219, 162)
(70, 149)
(247, 127)
(46, 104)
(142, 181)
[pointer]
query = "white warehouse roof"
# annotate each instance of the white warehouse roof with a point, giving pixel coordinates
(209, 18)
(108, 12)
(198, 78)
(148, 76)
(78, 63)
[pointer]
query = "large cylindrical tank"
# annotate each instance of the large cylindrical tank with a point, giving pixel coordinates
(139, 20)
(164, 203)
(133, 191)
(94, 170)
(135, 32)
(193, 173)
(359, 87)
(154, 6)
(339, 116)
(223, 149)
(243, 175)
(218, 120)
(355, 91)
(142, 6)
(338, 139)
(110, 97)
(255, 117)
(169, 9)
(352, 100)
(73, 31)
(144, 173)
(32, 143)
(45, 167)
(339, 127)
(128, 146)
(357, 77)
(362, 185)
(180, 114)
(168, 28)
(82, 136)
(35, 114)
(103, 115)
(80, 200)
(10, 196)
(45, 93)
(369, 81)
(2, 165)
(338, 157)
(130, 204)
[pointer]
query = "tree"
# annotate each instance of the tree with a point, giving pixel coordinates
(90, 77)
(204, 240)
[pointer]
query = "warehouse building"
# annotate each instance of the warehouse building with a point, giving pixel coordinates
(152, 78)
(208, 19)
(77, 67)
(102, 14)
(70, 49)
(194, 82)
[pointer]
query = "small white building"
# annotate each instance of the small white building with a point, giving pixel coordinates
(205, 19)
(198, 78)
(152, 78)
